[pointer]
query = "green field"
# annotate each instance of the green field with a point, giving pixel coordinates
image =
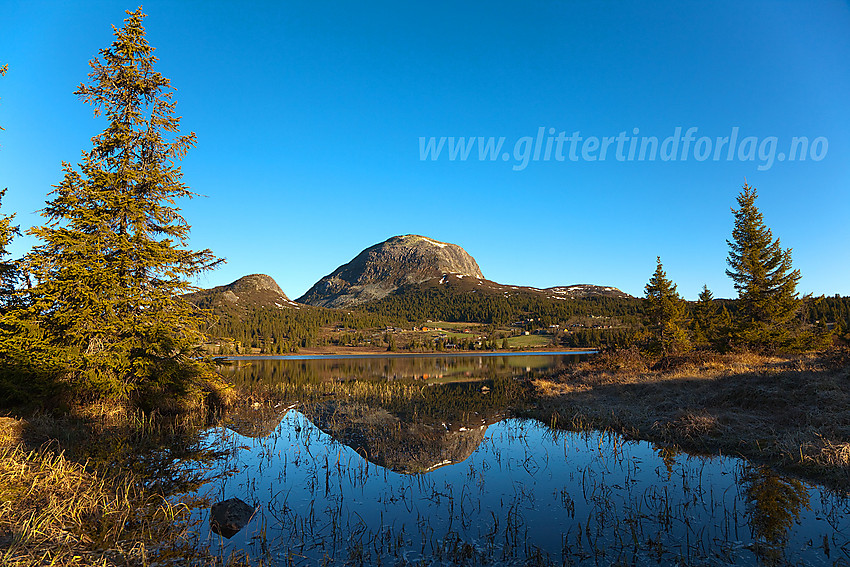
(525, 341)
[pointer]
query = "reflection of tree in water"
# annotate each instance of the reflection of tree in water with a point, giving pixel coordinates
(466, 385)
(668, 455)
(774, 503)
(359, 368)
(297, 379)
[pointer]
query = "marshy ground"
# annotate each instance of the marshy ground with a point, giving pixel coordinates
(790, 412)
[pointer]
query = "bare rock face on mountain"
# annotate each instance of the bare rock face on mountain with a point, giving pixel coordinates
(381, 269)
(256, 290)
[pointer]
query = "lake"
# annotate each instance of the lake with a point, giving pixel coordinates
(417, 460)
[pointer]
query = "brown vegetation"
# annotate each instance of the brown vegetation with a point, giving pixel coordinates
(54, 511)
(92, 487)
(792, 412)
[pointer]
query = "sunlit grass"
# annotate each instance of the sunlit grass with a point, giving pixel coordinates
(54, 511)
(528, 341)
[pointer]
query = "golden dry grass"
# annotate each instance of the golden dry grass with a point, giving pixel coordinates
(793, 412)
(10, 431)
(71, 491)
(55, 512)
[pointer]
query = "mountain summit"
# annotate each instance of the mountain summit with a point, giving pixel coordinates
(256, 290)
(381, 269)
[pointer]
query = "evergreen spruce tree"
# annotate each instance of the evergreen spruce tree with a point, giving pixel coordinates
(764, 279)
(8, 269)
(27, 362)
(113, 259)
(706, 320)
(667, 313)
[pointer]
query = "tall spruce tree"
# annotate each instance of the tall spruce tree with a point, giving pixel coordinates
(8, 231)
(764, 279)
(667, 313)
(113, 259)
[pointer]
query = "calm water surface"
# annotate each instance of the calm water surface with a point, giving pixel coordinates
(424, 466)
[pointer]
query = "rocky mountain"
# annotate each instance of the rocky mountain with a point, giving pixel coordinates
(255, 290)
(399, 265)
(383, 268)
(403, 444)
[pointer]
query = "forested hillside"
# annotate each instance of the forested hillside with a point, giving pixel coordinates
(448, 302)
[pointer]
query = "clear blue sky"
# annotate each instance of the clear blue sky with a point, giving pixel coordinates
(309, 116)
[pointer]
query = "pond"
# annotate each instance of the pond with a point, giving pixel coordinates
(416, 470)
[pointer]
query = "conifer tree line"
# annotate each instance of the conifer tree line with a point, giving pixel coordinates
(279, 331)
(444, 303)
(768, 316)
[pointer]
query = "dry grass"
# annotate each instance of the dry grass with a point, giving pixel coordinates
(93, 486)
(55, 512)
(793, 412)
(11, 430)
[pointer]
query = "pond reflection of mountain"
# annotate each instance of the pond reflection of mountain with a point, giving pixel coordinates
(406, 442)
(410, 445)
(527, 495)
(406, 414)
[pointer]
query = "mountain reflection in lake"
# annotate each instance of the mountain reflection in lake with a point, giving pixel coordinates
(350, 480)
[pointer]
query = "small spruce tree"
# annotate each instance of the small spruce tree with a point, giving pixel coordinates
(706, 321)
(8, 268)
(666, 313)
(28, 364)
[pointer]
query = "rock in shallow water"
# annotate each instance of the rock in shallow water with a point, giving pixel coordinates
(230, 516)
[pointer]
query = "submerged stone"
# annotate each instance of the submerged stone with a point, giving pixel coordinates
(230, 516)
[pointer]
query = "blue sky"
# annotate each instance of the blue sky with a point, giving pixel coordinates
(309, 117)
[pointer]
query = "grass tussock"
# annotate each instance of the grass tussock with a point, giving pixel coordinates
(792, 412)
